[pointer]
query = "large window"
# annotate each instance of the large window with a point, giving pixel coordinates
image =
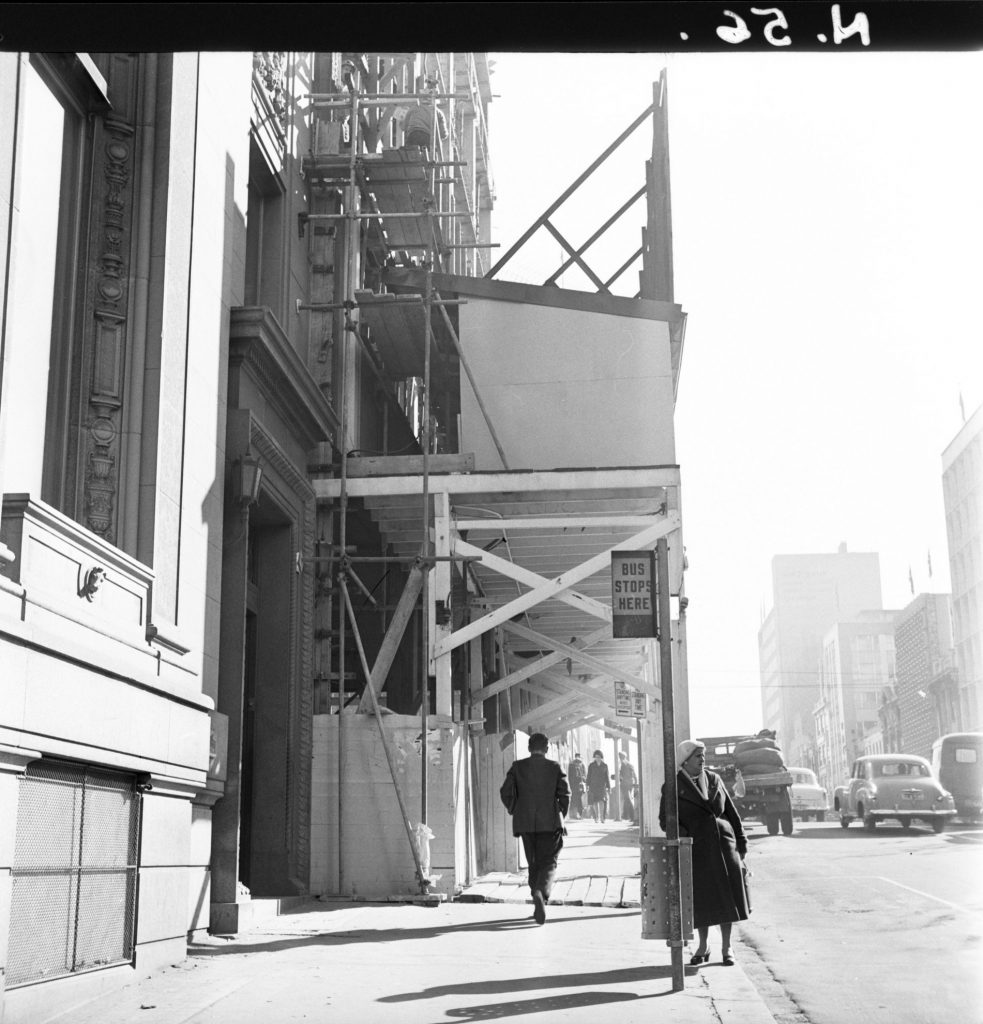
(264, 227)
(55, 95)
(73, 903)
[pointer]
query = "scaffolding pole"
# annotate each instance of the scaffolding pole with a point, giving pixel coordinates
(354, 218)
(348, 329)
(673, 879)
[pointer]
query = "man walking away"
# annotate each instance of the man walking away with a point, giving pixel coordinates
(535, 792)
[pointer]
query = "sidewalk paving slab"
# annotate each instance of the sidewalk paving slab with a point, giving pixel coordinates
(376, 963)
(478, 958)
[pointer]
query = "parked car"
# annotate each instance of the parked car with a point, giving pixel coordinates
(893, 786)
(808, 797)
(957, 760)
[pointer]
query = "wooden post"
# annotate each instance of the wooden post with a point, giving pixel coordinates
(640, 797)
(674, 894)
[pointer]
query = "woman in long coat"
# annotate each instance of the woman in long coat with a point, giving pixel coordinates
(708, 815)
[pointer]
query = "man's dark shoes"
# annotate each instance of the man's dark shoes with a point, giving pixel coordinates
(539, 914)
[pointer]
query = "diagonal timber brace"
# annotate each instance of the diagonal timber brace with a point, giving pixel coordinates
(534, 667)
(550, 589)
(569, 651)
(532, 579)
(563, 705)
(394, 634)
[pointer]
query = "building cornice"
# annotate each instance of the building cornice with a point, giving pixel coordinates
(259, 347)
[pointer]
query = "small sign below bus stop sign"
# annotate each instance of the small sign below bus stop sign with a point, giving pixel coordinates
(633, 604)
(628, 702)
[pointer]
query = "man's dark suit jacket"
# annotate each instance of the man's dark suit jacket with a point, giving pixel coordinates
(536, 794)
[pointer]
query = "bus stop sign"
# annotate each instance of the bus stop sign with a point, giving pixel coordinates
(633, 594)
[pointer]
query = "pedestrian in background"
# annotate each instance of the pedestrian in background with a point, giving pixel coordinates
(536, 793)
(708, 815)
(598, 787)
(577, 773)
(629, 786)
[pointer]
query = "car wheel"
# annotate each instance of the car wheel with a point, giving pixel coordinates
(938, 824)
(772, 824)
(844, 822)
(787, 824)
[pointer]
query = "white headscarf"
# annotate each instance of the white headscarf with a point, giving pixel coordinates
(685, 749)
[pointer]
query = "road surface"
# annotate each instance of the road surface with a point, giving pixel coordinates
(879, 929)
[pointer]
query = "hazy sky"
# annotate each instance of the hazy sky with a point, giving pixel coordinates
(827, 228)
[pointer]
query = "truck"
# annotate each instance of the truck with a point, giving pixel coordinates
(754, 772)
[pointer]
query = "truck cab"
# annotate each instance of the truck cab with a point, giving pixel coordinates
(760, 792)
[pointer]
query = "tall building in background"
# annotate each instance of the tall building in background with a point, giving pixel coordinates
(926, 678)
(810, 593)
(962, 491)
(856, 663)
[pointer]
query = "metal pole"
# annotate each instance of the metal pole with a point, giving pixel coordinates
(425, 682)
(674, 892)
(349, 292)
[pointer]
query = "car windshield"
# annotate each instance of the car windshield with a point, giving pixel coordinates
(900, 769)
(802, 777)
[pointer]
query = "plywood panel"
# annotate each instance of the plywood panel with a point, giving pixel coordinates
(376, 858)
(566, 388)
(497, 848)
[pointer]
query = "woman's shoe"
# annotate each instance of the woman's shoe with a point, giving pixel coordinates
(727, 959)
(699, 958)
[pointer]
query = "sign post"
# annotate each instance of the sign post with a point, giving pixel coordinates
(673, 873)
(640, 608)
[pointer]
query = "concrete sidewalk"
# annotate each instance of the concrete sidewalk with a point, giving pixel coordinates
(460, 961)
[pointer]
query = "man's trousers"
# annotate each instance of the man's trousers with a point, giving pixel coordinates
(542, 850)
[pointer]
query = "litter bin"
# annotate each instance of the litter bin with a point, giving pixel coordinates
(655, 852)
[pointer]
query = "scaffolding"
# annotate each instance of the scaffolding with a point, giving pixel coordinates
(395, 223)
(409, 204)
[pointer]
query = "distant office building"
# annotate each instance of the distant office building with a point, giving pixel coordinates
(926, 678)
(856, 663)
(810, 594)
(962, 491)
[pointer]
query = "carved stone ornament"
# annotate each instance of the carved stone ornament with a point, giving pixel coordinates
(107, 350)
(271, 69)
(93, 581)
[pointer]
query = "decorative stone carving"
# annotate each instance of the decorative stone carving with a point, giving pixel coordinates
(108, 346)
(271, 70)
(117, 174)
(93, 581)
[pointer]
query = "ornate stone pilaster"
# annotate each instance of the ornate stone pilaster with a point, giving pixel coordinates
(107, 355)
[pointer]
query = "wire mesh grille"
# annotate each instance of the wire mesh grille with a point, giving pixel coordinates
(73, 898)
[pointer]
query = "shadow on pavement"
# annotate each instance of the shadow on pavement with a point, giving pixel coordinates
(549, 1004)
(621, 976)
(243, 946)
(626, 835)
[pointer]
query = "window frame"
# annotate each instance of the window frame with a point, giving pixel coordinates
(76, 83)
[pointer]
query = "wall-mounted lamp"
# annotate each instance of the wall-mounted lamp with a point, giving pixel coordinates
(246, 480)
